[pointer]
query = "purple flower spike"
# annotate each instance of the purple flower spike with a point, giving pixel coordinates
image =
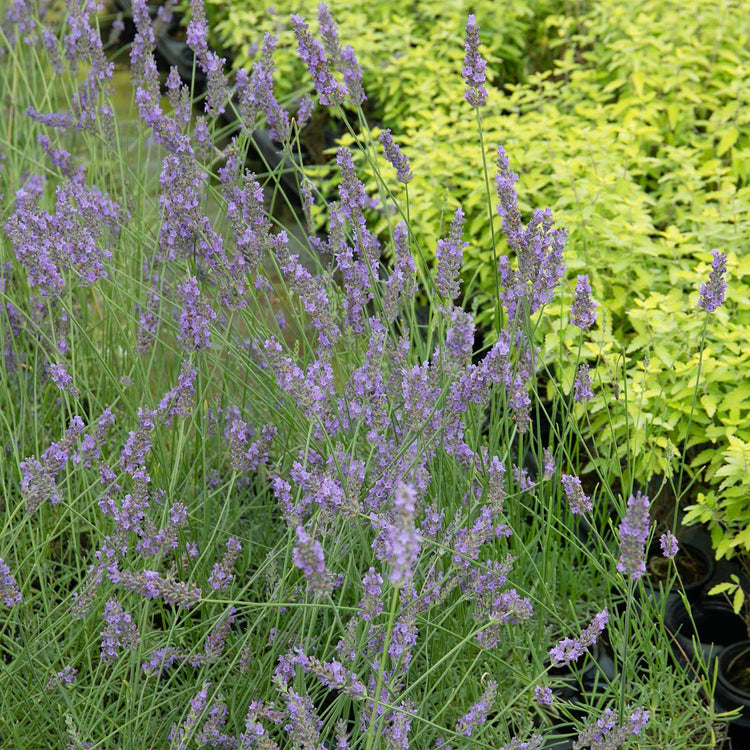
(633, 533)
(714, 290)
(477, 714)
(579, 502)
(119, 631)
(605, 732)
(582, 313)
(195, 316)
(309, 557)
(403, 542)
(313, 54)
(398, 160)
(669, 545)
(543, 696)
(474, 66)
(582, 385)
(8, 586)
(66, 677)
(571, 649)
(449, 254)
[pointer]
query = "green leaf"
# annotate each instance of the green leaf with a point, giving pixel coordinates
(728, 139)
(720, 588)
(739, 600)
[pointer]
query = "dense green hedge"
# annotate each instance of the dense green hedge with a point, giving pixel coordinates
(632, 121)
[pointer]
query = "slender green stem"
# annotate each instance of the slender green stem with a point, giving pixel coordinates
(678, 493)
(498, 307)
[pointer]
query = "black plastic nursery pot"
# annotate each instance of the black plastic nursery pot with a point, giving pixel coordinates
(733, 690)
(695, 566)
(716, 627)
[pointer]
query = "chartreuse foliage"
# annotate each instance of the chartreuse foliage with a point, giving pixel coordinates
(632, 121)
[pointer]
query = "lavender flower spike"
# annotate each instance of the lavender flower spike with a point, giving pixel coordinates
(582, 313)
(474, 66)
(398, 160)
(477, 714)
(714, 290)
(403, 542)
(8, 586)
(571, 649)
(669, 545)
(582, 385)
(309, 557)
(449, 254)
(578, 501)
(313, 54)
(633, 533)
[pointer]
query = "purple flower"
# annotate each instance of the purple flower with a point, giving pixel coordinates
(195, 316)
(216, 639)
(208, 61)
(62, 379)
(402, 542)
(535, 743)
(211, 732)
(543, 695)
(74, 238)
(398, 160)
(155, 542)
(197, 29)
(714, 290)
(312, 292)
(606, 734)
(336, 677)
(582, 385)
(329, 33)
(313, 54)
(571, 649)
(669, 545)
(352, 72)
(178, 401)
(65, 677)
(371, 603)
(308, 556)
(119, 631)
(400, 286)
(549, 466)
(459, 338)
(247, 218)
(181, 736)
(578, 501)
(633, 533)
(161, 660)
(449, 254)
(304, 111)
(221, 575)
(583, 313)
(538, 247)
(8, 586)
(182, 185)
(259, 95)
(478, 712)
(474, 66)
(150, 584)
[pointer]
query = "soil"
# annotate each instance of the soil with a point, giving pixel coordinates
(738, 671)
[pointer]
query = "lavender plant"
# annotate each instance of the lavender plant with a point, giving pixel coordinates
(235, 454)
